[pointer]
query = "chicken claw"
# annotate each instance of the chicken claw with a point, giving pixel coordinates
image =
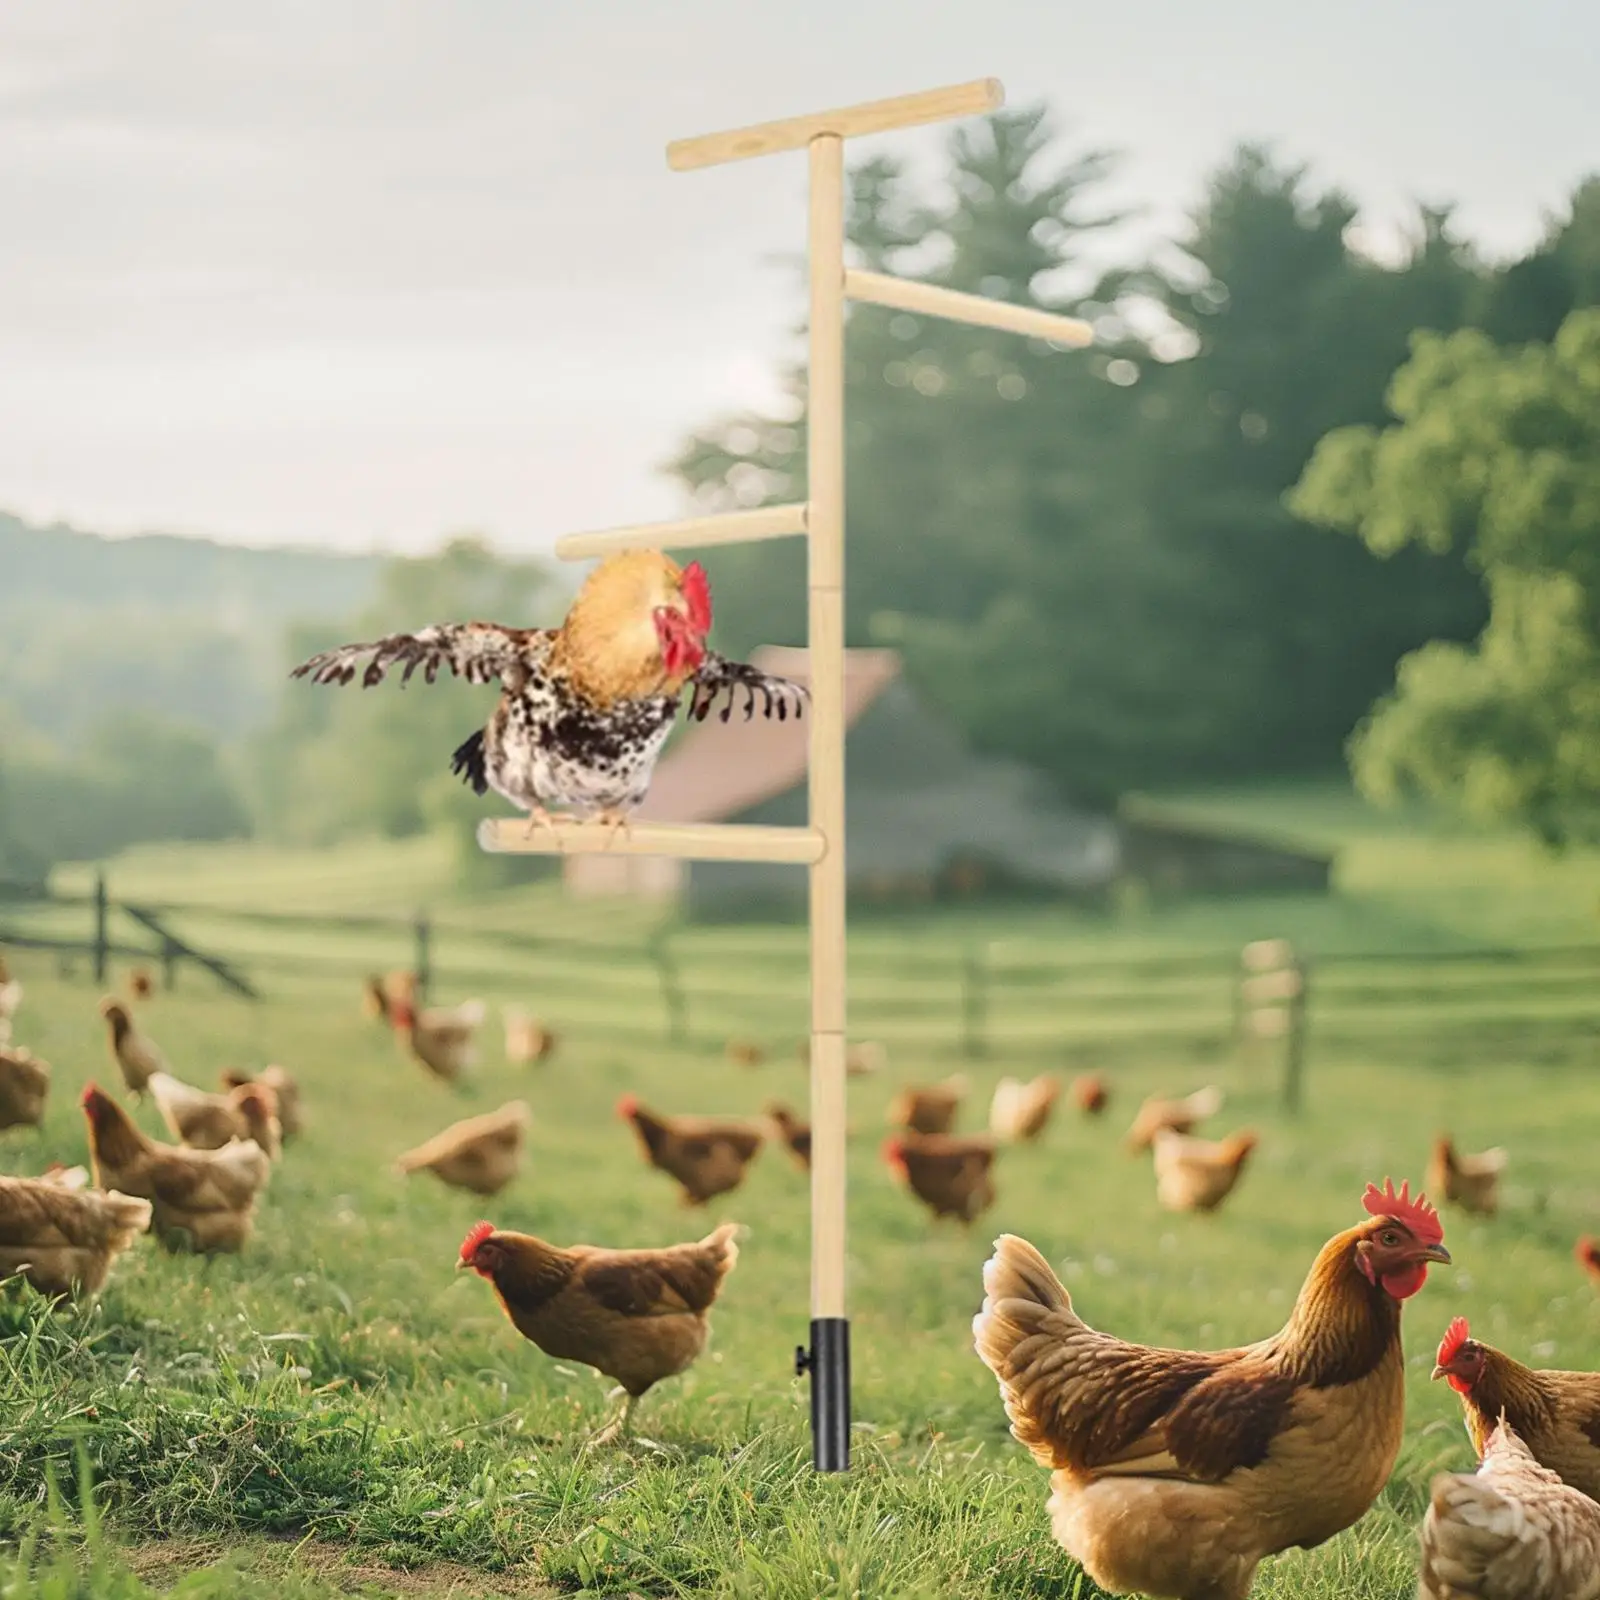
(615, 820)
(617, 1428)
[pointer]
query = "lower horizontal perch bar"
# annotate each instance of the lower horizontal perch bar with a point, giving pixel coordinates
(695, 841)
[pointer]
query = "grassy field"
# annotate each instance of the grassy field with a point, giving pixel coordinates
(337, 1410)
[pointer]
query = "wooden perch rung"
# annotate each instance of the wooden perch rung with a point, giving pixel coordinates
(875, 116)
(903, 294)
(728, 527)
(692, 841)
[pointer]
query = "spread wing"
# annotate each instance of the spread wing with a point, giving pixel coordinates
(716, 674)
(476, 651)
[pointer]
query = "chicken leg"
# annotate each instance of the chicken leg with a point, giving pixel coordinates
(615, 820)
(617, 1428)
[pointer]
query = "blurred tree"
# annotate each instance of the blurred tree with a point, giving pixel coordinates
(1086, 558)
(348, 760)
(1495, 454)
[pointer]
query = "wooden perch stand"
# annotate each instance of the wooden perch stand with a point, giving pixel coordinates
(820, 846)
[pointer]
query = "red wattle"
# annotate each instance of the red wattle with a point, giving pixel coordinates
(1405, 1283)
(1460, 1385)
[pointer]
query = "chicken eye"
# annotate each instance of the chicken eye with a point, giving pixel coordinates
(1389, 1239)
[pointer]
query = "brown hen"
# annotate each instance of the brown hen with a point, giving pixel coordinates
(707, 1155)
(64, 1239)
(24, 1085)
(480, 1154)
(952, 1176)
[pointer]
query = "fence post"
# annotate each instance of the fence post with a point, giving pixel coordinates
(673, 1000)
(102, 937)
(1294, 1062)
(169, 964)
(974, 1004)
(422, 962)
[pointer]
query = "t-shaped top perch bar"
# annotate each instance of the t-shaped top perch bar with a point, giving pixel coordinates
(820, 845)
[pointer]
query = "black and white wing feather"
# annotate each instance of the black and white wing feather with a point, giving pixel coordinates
(476, 651)
(717, 675)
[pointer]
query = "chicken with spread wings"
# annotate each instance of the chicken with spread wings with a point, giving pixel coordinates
(638, 1316)
(1512, 1530)
(62, 1237)
(480, 1154)
(707, 1155)
(204, 1197)
(1175, 1472)
(585, 708)
(1556, 1413)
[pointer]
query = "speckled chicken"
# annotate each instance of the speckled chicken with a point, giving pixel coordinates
(1175, 1472)
(636, 1315)
(1512, 1530)
(585, 708)
(203, 1198)
(479, 1154)
(1556, 1413)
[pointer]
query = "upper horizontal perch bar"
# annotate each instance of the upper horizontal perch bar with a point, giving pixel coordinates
(905, 295)
(693, 841)
(876, 116)
(729, 527)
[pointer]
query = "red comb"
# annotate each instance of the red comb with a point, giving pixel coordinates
(697, 595)
(91, 1091)
(1455, 1336)
(1416, 1214)
(478, 1233)
(1587, 1251)
(627, 1105)
(893, 1150)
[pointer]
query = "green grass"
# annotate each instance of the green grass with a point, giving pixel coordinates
(337, 1407)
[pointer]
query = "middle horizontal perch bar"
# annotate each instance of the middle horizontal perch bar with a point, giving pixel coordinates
(729, 527)
(905, 295)
(693, 841)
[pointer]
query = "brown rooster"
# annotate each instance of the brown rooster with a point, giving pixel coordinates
(1587, 1251)
(951, 1176)
(1019, 1111)
(24, 1084)
(638, 1316)
(706, 1155)
(527, 1039)
(1090, 1095)
(285, 1094)
(206, 1121)
(794, 1133)
(1199, 1174)
(1175, 1472)
(1471, 1182)
(204, 1197)
(480, 1154)
(585, 708)
(63, 1239)
(1181, 1116)
(1557, 1413)
(443, 1041)
(135, 1055)
(1510, 1531)
(931, 1109)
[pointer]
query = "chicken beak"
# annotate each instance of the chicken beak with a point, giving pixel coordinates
(462, 1264)
(1436, 1253)
(1437, 1373)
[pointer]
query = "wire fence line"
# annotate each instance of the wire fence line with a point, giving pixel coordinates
(970, 997)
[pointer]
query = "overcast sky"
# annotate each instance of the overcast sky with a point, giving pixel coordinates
(364, 272)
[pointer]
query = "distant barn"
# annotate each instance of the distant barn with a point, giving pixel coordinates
(926, 818)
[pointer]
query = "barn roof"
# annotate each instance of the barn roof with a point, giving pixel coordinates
(715, 770)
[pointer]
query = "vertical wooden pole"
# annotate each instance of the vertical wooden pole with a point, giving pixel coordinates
(423, 965)
(102, 937)
(829, 1360)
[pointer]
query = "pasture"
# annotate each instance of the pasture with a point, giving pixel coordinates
(337, 1410)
